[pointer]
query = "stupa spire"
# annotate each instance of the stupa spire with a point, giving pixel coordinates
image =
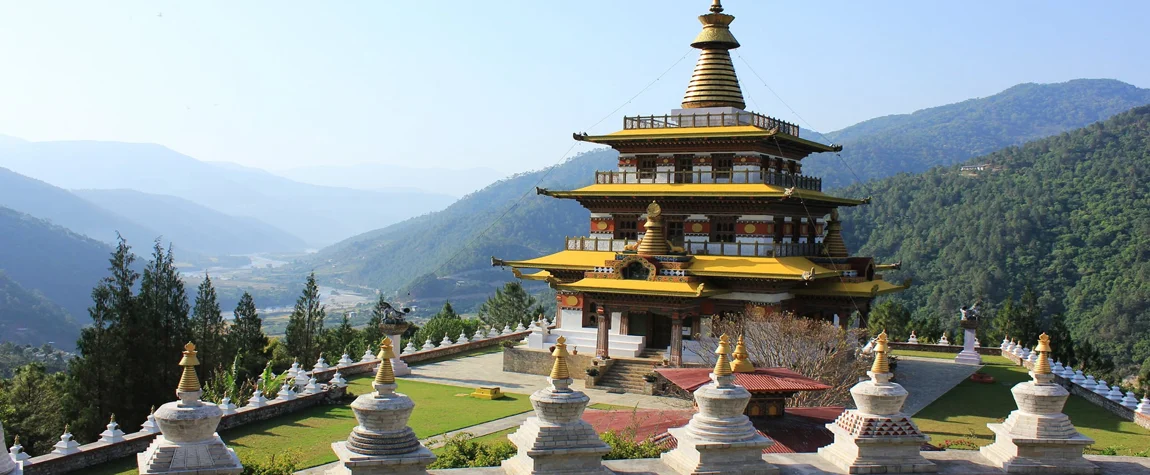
(559, 369)
(654, 242)
(714, 83)
(1042, 366)
(723, 364)
(742, 363)
(881, 363)
(833, 244)
(385, 374)
(188, 381)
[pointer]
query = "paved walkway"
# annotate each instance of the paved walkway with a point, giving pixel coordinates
(479, 430)
(927, 379)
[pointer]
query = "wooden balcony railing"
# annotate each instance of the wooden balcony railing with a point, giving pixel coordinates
(770, 177)
(709, 120)
(749, 249)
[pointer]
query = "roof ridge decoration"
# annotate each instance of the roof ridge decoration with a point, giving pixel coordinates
(714, 83)
(654, 243)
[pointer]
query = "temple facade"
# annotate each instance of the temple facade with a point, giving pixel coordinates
(707, 213)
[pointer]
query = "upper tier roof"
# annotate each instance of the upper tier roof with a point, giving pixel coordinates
(699, 190)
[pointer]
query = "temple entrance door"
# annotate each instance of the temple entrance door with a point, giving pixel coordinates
(660, 335)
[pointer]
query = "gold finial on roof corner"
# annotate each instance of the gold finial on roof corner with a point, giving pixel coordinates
(385, 374)
(1042, 366)
(723, 364)
(881, 363)
(741, 363)
(559, 369)
(188, 380)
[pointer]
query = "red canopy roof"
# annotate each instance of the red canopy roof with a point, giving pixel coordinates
(763, 380)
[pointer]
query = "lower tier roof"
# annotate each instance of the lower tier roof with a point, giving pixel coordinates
(777, 268)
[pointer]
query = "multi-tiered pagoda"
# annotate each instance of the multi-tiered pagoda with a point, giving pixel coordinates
(708, 213)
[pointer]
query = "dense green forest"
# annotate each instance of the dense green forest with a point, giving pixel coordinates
(954, 133)
(28, 317)
(1068, 216)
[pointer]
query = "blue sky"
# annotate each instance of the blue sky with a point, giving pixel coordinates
(459, 84)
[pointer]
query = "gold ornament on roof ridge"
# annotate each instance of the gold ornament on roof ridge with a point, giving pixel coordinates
(559, 369)
(723, 365)
(881, 364)
(188, 380)
(654, 243)
(385, 374)
(741, 363)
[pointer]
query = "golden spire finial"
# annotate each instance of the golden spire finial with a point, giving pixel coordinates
(67, 427)
(385, 374)
(113, 418)
(16, 439)
(1042, 366)
(723, 365)
(741, 364)
(188, 381)
(714, 83)
(881, 364)
(833, 243)
(654, 243)
(559, 369)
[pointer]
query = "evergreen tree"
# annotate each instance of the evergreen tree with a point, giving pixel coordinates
(891, 316)
(340, 339)
(1060, 339)
(510, 305)
(164, 308)
(208, 328)
(305, 326)
(247, 337)
(32, 403)
(372, 334)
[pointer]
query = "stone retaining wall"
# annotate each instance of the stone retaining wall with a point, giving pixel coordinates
(1111, 406)
(529, 361)
(99, 452)
(982, 350)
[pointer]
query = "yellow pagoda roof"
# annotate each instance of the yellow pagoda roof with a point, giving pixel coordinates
(541, 275)
(725, 190)
(720, 132)
(850, 289)
(783, 268)
(641, 287)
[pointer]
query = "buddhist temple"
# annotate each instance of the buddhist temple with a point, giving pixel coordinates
(708, 213)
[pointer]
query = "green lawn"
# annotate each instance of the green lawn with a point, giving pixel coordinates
(309, 433)
(926, 354)
(963, 412)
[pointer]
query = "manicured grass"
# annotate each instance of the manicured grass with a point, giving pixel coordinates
(476, 352)
(310, 432)
(925, 354)
(963, 412)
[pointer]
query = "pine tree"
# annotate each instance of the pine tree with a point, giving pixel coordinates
(340, 339)
(247, 337)
(164, 306)
(892, 317)
(306, 324)
(510, 305)
(208, 328)
(372, 334)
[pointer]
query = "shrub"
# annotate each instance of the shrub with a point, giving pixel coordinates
(283, 464)
(592, 372)
(624, 446)
(508, 343)
(462, 451)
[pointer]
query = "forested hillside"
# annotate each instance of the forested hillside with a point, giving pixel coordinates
(53, 261)
(26, 317)
(1068, 215)
(954, 133)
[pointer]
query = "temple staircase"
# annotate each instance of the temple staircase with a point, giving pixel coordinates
(627, 375)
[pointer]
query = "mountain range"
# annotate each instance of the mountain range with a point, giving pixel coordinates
(317, 214)
(446, 253)
(1067, 216)
(384, 177)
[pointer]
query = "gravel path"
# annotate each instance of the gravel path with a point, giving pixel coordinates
(927, 379)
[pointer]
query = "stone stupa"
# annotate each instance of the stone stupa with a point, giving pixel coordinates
(557, 440)
(1038, 437)
(382, 442)
(720, 438)
(877, 437)
(188, 442)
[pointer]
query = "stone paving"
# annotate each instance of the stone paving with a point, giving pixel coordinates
(927, 379)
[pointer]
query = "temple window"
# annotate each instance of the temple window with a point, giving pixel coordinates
(675, 230)
(647, 167)
(627, 227)
(636, 271)
(685, 165)
(723, 166)
(723, 228)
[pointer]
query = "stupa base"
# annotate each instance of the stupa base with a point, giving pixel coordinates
(969, 357)
(877, 454)
(698, 457)
(351, 463)
(1053, 456)
(400, 367)
(549, 448)
(209, 457)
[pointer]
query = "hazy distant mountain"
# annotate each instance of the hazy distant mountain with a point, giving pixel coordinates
(63, 208)
(954, 133)
(403, 255)
(378, 176)
(317, 214)
(26, 317)
(59, 264)
(197, 227)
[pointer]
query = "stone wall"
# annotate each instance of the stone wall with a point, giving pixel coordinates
(134, 443)
(1111, 406)
(982, 350)
(529, 361)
